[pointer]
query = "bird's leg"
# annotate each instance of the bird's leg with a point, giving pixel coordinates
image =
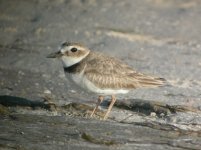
(100, 99)
(110, 107)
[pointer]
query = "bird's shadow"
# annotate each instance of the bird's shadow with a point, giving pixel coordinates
(12, 101)
(145, 107)
(136, 105)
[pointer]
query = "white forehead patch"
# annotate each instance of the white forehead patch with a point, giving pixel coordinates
(68, 48)
(65, 48)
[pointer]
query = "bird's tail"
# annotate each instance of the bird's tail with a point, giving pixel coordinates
(148, 81)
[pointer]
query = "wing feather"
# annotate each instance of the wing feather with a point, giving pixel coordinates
(109, 72)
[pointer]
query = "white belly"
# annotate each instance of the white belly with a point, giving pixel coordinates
(88, 86)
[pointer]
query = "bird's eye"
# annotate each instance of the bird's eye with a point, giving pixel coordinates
(74, 49)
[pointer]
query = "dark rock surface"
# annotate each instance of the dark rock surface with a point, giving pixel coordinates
(156, 37)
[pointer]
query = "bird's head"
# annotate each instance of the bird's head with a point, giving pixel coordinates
(70, 53)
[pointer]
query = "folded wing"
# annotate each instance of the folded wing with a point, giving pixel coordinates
(108, 72)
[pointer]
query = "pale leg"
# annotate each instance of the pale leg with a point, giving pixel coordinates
(110, 107)
(100, 99)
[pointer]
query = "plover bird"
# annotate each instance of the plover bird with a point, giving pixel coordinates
(101, 74)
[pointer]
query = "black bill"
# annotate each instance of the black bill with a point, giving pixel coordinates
(55, 55)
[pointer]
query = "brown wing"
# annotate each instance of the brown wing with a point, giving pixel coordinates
(108, 72)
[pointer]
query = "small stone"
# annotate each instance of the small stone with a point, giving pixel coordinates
(47, 92)
(72, 91)
(21, 73)
(22, 133)
(153, 114)
(162, 115)
(198, 46)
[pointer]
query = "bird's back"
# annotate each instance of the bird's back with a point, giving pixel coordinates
(108, 72)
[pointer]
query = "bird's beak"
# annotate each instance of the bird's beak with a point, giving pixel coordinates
(55, 55)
